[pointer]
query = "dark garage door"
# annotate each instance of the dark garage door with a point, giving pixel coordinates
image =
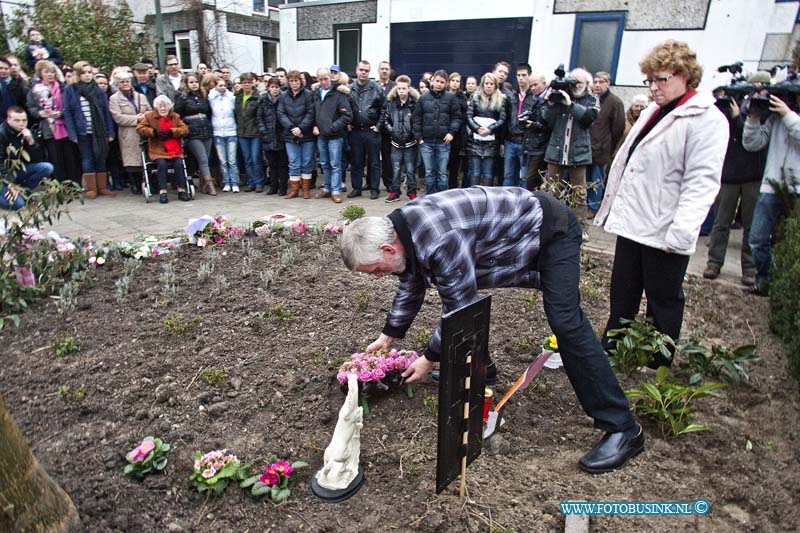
(470, 47)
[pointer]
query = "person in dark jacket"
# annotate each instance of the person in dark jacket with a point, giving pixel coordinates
(89, 124)
(513, 152)
(296, 115)
(486, 118)
(11, 91)
(332, 114)
(397, 123)
(195, 111)
(605, 133)
(37, 50)
(142, 82)
(14, 132)
(272, 141)
(477, 238)
(437, 120)
(570, 147)
(537, 132)
(245, 111)
(457, 147)
(741, 181)
(367, 100)
(386, 83)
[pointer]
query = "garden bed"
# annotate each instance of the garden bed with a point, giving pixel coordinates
(279, 323)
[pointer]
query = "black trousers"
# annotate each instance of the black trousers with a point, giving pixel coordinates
(387, 173)
(639, 268)
(535, 170)
(278, 163)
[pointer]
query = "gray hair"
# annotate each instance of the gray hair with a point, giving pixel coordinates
(640, 99)
(162, 99)
(362, 239)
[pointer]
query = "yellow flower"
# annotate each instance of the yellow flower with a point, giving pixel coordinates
(553, 342)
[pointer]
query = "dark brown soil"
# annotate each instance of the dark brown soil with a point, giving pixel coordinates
(281, 397)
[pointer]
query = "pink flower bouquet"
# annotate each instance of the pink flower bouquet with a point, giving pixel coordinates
(377, 373)
(277, 480)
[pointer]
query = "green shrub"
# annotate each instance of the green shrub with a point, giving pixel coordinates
(67, 346)
(177, 325)
(639, 342)
(214, 375)
(669, 403)
(784, 293)
(353, 212)
(722, 362)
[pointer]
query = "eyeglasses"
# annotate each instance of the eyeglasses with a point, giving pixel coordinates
(661, 80)
(172, 64)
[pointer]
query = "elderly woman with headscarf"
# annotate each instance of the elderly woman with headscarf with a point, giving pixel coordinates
(661, 184)
(90, 126)
(128, 108)
(163, 129)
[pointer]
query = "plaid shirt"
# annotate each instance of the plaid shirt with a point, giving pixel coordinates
(463, 240)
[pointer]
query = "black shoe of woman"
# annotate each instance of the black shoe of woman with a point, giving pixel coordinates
(162, 198)
(183, 196)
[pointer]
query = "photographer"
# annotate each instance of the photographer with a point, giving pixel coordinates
(570, 115)
(781, 131)
(741, 178)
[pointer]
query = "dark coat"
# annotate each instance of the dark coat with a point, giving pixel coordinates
(269, 128)
(485, 148)
(52, 52)
(397, 118)
(536, 136)
(607, 129)
(246, 125)
(436, 115)
(150, 85)
(151, 124)
(196, 113)
(514, 131)
(13, 95)
(73, 114)
(9, 136)
(296, 110)
(333, 114)
(741, 166)
(367, 102)
(583, 111)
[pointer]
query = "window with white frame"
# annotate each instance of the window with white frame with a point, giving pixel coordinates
(269, 55)
(347, 46)
(183, 48)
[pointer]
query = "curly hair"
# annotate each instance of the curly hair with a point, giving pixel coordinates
(675, 56)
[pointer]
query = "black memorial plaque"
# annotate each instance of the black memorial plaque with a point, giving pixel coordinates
(465, 332)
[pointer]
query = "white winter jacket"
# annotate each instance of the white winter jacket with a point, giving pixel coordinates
(222, 119)
(661, 195)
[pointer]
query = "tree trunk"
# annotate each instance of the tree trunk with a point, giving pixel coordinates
(29, 499)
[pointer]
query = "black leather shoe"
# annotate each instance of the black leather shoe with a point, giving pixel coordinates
(136, 188)
(353, 194)
(162, 198)
(612, 452)
(374, 195)
(183, 196)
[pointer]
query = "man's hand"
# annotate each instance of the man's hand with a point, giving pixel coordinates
(418, 370)
(567, 100)
(374, 128)
(12, 193)
(28, 136)
(735, 111)
(448, 138)
(776, 105)
(297, 132)
(502, 150)
(315, 131)
(383, 342)
(483, 131)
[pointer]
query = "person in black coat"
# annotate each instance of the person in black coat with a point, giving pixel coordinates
(193, 107)
(272, 141)
(365, 142)
(11, 91)
(332, 114)
(296, 115)
(486, 119)
(398, 125)
(37, 50)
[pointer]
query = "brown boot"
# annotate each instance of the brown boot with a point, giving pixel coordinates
(306, 186)
(102, 179)
(90, 184)
(207, 186)
(294, 189)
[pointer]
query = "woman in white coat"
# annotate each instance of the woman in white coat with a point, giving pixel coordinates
(661, 185)
(223, 124)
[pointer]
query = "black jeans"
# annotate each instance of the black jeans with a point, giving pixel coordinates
(365, 146)
(585, 361)
(278, 163)
(660, 275)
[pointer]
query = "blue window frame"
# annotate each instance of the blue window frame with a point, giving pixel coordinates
(258, 6)
(596, 42)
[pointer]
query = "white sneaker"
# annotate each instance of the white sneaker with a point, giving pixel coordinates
(226, 188)
(235, 188)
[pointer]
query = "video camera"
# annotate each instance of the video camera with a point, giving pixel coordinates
(561, 82)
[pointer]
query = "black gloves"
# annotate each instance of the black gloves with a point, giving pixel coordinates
(164, 134)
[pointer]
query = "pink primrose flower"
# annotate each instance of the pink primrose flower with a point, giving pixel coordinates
(299, 227)
(263, 231)
(332, 228)
(269, 478)
(208, 473)
(147, 446)
(217, 239)
(282, 467)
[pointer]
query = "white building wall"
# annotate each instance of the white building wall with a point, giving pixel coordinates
(245, 51)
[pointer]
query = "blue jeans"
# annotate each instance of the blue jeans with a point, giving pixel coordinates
(177, 166)
(29, 178)
(481, 170)
(330, 158)
(251, 153)
(226, 151)
(585, 361)
(434, 158)
(594, 186)
(769, 210)
(91, 162)
(514, 163)
(365, 147)
(404, 159)
(301, 158)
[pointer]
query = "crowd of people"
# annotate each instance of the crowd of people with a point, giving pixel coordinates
(278, 132)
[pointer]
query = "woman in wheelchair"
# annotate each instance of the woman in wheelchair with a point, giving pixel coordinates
(163, 129)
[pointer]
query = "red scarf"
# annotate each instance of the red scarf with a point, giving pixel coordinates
(683, 100)
(171, 145)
